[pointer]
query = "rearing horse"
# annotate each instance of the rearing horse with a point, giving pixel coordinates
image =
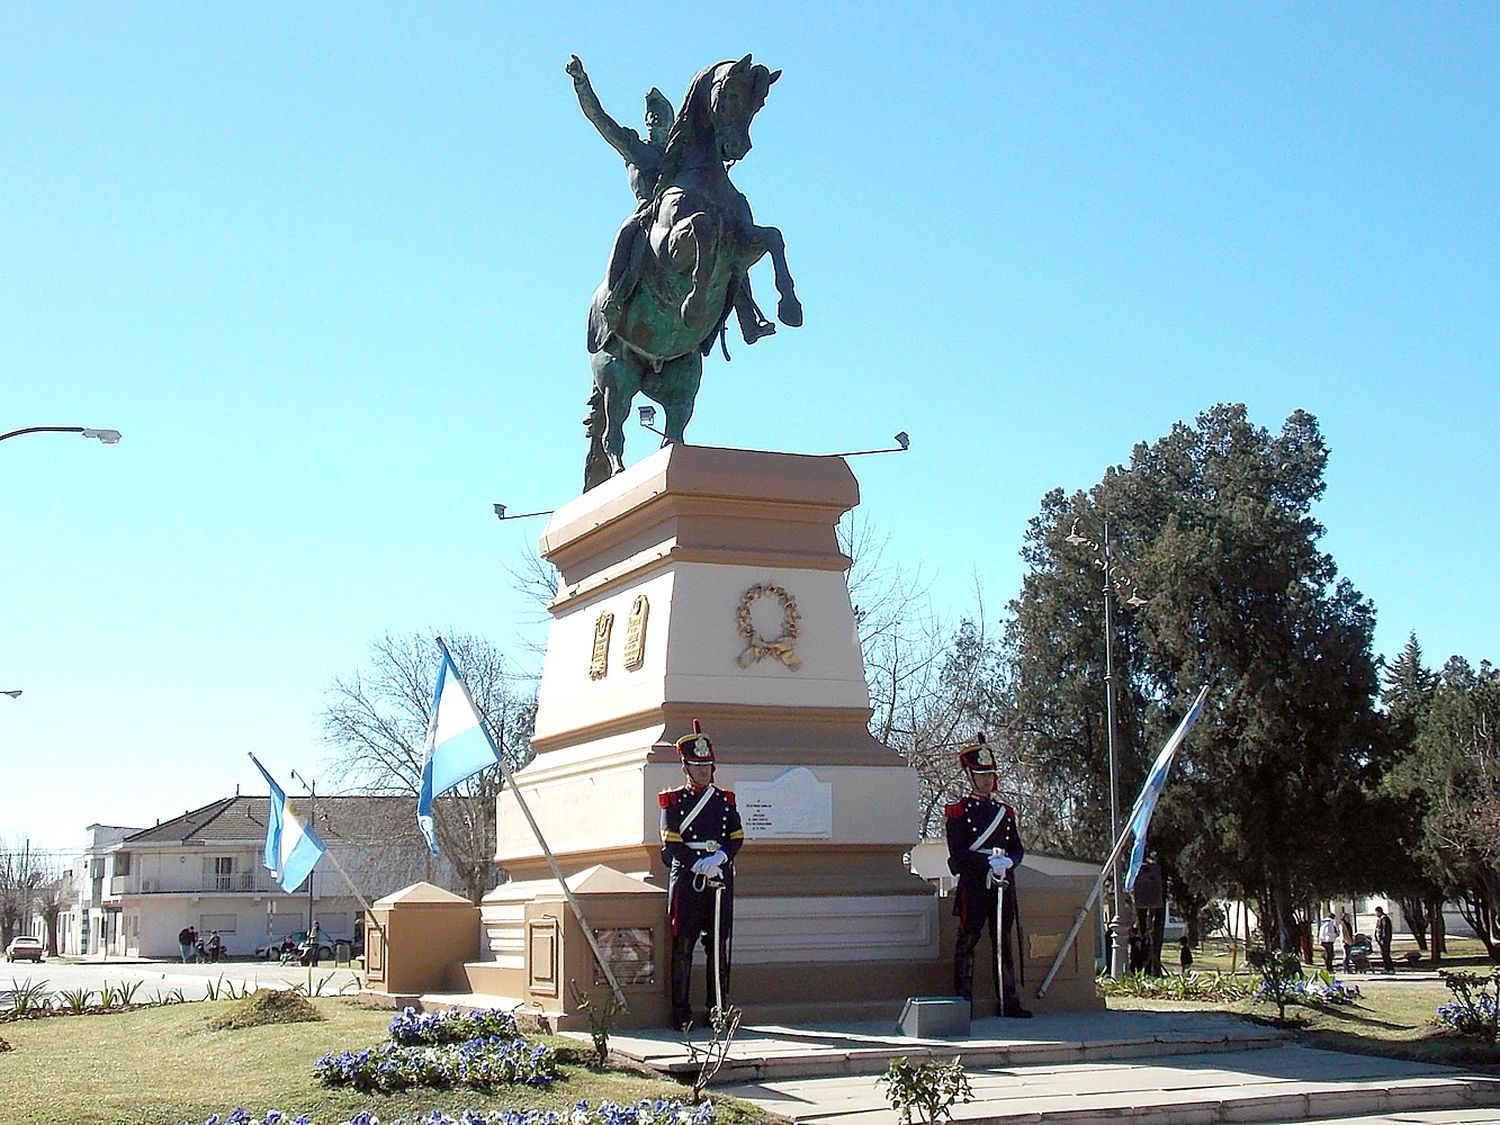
(655, 318)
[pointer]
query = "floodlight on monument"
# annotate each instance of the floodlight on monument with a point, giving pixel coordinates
(500, 513)
(647, 416)
(902, 440)
(108, 437)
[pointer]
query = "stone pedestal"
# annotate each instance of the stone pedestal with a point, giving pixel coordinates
(709, 584)
(421, 939)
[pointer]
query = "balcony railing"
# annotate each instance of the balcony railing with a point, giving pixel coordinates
(237, 882)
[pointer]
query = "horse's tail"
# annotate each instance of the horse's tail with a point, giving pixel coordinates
(596, 468)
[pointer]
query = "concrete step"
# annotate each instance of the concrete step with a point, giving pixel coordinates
(1285, 1083)
(773, 1052)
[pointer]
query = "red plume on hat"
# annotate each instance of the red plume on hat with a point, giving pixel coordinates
(977, 756)
(695, 749)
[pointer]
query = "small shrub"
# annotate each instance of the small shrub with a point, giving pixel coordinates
(76, 1000)
(1475, 1008)
(930, 1088)
(712, 1055)
(1210, 985)
(271, 1006)
(27, 997)
(601, 1020)
(1280, 974)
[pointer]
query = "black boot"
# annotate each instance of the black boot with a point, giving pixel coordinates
(963, 975)
(1011, 1006)
(682, 969)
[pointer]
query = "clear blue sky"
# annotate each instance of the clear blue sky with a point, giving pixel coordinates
(326, 267)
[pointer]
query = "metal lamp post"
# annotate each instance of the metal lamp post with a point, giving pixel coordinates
(312, 800)
(1105, 561)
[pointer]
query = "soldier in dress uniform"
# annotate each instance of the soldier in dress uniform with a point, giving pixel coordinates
(700, 834)
(983, 845)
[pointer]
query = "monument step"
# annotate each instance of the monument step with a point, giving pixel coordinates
(767, 1050)
(1286, 1083)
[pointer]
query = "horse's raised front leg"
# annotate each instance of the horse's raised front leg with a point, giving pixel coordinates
(618, 377)
(788, 309)
(693, 247)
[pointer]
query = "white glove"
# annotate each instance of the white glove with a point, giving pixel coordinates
(709, 864)
(1000, 864)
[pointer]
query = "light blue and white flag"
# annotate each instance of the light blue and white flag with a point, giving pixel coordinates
(1145, 804)
(292, 847)
(458, 746)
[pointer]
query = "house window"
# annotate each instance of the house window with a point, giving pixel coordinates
(96, 868)
(224, 923)
(223, 875)
(122, 863)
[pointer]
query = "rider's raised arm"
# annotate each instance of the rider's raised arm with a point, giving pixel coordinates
(624, 141)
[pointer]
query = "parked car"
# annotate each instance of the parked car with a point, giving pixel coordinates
(26, 949)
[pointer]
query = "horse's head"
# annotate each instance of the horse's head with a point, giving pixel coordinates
(738, 91)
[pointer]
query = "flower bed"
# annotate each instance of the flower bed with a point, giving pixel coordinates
(1320, 988)
(605, 1113)
(412, 1026)
(482, 1063)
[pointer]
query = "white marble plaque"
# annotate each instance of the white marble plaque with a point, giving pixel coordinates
(796, 804)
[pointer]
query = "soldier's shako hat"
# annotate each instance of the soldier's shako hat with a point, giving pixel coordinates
(695, 749)
(977, 757)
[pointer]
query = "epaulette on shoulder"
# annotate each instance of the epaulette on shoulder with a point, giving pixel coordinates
(666, 798)
(728, 795)
(956, 809)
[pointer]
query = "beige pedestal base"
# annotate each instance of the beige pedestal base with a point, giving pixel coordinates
(708, 584)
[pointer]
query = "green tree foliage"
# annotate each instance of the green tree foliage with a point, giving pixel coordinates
(1452, 774)
(1213, 525)
(1421, 888)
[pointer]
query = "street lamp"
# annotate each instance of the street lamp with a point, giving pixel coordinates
(108, 437)
(1113, 582)
(13, 694)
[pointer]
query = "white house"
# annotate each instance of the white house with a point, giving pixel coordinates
(90, 923)
(203, 869)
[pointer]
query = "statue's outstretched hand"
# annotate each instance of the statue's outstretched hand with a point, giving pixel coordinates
(575, 68)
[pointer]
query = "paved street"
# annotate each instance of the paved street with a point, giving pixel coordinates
(164, 976)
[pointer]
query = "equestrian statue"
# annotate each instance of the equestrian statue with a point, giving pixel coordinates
(678, 265)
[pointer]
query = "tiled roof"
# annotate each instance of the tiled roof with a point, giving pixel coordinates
(244, 819)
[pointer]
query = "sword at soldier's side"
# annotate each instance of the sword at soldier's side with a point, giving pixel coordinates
(999, 936)
(718, 947)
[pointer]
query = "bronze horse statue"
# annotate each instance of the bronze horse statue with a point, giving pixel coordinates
(676, 275)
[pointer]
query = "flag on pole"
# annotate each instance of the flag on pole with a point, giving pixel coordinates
(1145, 804)
(458, 745)
(292, 848)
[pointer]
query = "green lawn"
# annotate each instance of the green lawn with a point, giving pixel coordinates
(163, 1066)
(1215, 953)
(1395, 1020)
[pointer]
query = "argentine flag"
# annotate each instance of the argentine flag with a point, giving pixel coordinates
(457, 748)
(292, 848)
(1156, 780)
